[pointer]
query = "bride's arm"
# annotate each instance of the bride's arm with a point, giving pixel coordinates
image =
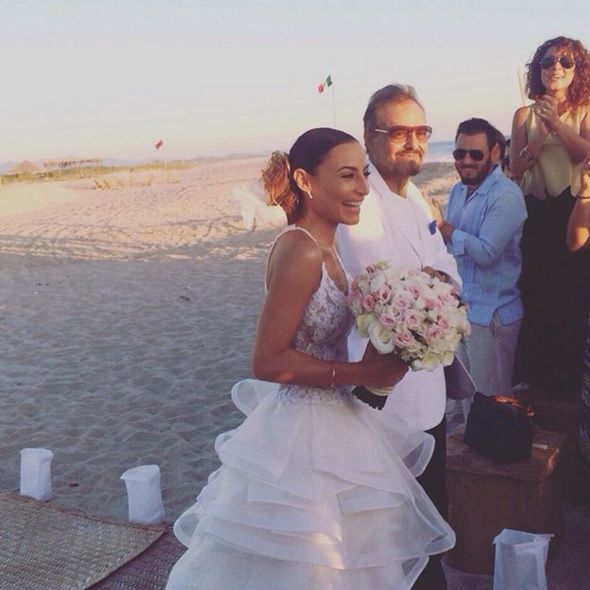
(294, 274)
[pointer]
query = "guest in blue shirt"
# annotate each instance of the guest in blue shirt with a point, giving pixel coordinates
(482, 229)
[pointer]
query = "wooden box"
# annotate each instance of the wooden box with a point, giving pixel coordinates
(485, 498)
(557, 415)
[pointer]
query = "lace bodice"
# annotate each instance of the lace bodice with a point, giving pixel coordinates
(322, 334)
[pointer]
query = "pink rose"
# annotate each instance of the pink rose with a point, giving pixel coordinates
(413, 290)
(403, 338)
(402, 301)
(433, 333)
(431, 299)
(383, 293)
(391, 316)
(368, 302)
(412, 319)
(446, 297)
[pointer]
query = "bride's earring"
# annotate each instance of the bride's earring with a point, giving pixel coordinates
(308, 193)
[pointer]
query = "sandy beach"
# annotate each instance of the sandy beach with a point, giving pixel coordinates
(126, 316)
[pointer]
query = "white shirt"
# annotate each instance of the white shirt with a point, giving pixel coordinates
(398, 229)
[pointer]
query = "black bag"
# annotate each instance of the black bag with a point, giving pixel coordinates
(500, 428)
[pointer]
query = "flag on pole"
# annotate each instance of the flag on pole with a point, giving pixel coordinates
(159, 144)
(326, 84)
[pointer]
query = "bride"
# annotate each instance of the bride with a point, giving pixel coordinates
(315, 490)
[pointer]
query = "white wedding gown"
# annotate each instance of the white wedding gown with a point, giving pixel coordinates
(316, 491)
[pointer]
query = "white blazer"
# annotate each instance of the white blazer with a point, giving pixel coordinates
(398, 229)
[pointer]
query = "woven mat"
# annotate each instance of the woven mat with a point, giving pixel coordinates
(45, 547)
(148, 571)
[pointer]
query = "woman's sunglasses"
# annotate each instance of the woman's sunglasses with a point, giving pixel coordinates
(548, 62)
(475, 155)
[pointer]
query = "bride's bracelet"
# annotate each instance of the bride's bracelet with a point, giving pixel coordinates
(582, 197)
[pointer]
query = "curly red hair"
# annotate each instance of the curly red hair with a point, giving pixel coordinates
(579, 90)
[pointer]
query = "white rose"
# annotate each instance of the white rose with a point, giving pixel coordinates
(363, 321)
(416, 365)
(377, 282)
(448, 359)
(430, 361)
(363, 284)
(381, 337)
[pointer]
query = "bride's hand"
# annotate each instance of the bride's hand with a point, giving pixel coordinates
(382, 370)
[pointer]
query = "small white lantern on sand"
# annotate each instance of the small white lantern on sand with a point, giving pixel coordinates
(520, 560)
(143, 494)
(35, 473)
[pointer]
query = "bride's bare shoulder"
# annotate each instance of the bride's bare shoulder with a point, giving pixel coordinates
(295, 256)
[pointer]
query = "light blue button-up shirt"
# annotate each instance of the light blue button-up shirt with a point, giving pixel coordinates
(486, 246)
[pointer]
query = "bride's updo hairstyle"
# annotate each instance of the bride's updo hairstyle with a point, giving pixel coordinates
(307, 153)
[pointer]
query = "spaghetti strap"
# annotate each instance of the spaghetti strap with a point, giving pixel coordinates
(346, 273)
(293, 228)
(287, 229)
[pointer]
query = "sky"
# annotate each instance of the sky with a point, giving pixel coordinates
(108, 78)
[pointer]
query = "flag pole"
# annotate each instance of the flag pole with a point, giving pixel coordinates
(520, 87)
(334, 104)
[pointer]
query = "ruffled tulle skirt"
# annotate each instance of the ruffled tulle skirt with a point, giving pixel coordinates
(314, 491)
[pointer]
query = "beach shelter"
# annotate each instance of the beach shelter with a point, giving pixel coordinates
(24, 167)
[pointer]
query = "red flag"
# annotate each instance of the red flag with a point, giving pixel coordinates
(159, 144)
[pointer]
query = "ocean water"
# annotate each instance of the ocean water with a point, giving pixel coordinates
(440, 151)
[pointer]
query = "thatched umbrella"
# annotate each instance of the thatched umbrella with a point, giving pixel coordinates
(24, 167)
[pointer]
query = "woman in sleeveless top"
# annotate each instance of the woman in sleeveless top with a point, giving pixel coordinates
(578, 238)
(550, 140)
(315, 489)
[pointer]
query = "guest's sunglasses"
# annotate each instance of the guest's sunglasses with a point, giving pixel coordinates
(548, 62)
(475, 155)
(402, 133)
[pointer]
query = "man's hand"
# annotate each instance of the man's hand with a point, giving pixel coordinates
(435, 210)
(443, 277)
(446, 229)
(436, 274)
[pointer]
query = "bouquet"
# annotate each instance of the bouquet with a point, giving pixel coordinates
(419, 317)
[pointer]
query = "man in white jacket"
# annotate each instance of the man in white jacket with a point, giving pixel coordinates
(394, 225)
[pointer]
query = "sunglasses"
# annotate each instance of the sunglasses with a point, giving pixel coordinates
(402, 133)
(548, 62)
(475, 155)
